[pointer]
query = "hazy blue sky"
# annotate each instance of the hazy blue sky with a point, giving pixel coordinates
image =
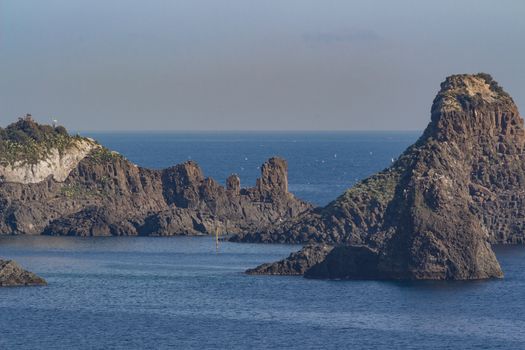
(249, 64)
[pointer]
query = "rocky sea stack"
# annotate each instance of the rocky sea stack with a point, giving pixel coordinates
(54, 183)
(12, 275)
(434, 212)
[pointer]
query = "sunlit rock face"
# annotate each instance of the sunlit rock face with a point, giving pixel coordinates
(434, 212)
(57, 164)
(31, 152)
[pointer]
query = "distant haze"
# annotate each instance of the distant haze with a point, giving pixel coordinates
(249, 64)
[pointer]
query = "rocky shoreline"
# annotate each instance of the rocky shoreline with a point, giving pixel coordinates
(52, 183)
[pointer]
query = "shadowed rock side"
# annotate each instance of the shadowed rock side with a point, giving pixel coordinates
(12, 275)
(296, 264)
(432, 214)
(105, 194)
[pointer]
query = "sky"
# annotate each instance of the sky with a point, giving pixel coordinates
(249, 64)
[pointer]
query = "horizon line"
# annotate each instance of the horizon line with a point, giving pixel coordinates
(241, 131)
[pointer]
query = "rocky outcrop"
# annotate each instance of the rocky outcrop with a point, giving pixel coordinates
(296, 264)
(12, 275)
(432, 214)
(105, 194)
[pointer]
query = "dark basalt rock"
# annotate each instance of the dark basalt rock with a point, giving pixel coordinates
(105, 194)
(432, 214)
(296, 264)
(345, 262)
(12, 275)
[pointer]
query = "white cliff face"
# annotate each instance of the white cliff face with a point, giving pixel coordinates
(57, 165)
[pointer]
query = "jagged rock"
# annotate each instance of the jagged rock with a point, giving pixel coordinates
(11, 275)
(233, 183)
(296, 264)
(102, 193)
(432, 214)
(274, 178)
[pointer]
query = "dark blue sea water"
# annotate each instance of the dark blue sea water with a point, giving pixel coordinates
(179, 293)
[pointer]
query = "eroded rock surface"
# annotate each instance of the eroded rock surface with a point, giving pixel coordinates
(105, 194)
(432, 214)
(12, 275)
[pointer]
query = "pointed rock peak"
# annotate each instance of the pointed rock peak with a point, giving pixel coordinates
(274, 176)
(190, 172)
(233, 183)
(466, 91)
(472, 106)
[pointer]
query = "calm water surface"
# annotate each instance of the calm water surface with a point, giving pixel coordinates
(161, 293)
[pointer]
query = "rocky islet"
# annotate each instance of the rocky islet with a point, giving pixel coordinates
(12, 275)
(435, 211)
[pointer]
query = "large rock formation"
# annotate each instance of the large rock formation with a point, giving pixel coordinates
(12, 275)
(432, 214)
(57, 184)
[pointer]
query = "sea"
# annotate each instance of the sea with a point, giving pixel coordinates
(183, 293)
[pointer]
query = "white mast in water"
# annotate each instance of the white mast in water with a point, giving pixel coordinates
(217, 239)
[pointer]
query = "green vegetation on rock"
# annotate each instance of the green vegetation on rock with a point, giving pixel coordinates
(77, 191)
(101, 155)
(28, 142)
(379, 187)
